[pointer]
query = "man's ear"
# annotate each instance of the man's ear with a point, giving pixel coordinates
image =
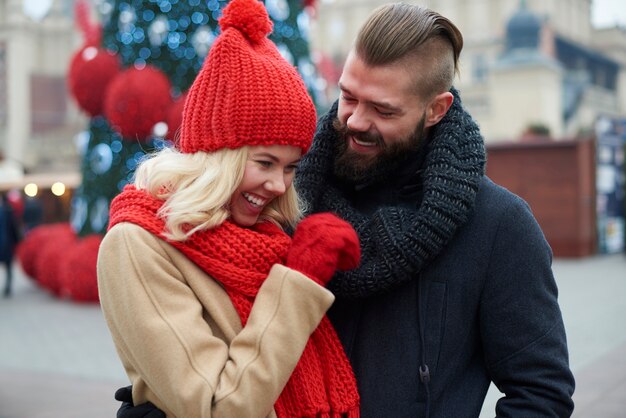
(438, 108)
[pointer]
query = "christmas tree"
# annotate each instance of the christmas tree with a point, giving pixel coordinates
(130, 76)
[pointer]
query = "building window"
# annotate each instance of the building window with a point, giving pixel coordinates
(48, 102)
(479, 68)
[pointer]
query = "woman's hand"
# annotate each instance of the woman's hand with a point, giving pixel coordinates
(322, 244)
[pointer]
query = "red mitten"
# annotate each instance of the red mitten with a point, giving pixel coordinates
(323, 244)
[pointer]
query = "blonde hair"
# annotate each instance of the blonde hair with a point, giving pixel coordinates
(197, 189)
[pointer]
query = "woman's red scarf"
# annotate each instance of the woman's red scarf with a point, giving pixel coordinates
(322, 384)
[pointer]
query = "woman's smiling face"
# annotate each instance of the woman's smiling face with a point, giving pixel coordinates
(268, 173)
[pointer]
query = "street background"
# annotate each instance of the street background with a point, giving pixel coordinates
(57, 358)
(544, 79)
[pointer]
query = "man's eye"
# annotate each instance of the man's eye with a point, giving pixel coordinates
(348, 99)
(384, 113)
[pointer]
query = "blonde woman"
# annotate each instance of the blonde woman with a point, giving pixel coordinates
(214, 310)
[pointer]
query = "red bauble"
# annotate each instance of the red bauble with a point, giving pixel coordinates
(26, 251)
(77, 270)
(53, 248)
(91, 71)
(29, 249)
(136, 99)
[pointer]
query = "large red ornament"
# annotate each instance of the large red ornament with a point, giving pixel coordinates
(26, 251)
(77, 270)
(29, 249)
(53, 248)
(136, 99)
(91, 71)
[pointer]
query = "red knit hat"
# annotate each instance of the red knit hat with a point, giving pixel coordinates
(246, 93)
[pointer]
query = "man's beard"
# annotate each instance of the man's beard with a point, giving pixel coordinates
(352, 167)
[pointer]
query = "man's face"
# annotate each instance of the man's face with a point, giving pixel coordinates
(379, 116)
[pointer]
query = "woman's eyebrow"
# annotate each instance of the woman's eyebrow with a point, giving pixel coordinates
(271, 157)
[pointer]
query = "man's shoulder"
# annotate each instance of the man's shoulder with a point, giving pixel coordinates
(498, 212)
(493, 195)
(495, 203)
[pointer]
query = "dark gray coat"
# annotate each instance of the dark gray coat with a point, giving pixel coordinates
(489, 312)
(444, 247)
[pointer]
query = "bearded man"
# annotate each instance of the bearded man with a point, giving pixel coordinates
(455, 288)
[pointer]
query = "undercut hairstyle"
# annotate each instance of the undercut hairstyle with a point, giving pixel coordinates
(197, 189)
(424, 41)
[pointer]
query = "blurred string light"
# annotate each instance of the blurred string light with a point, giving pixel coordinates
(58, 188)
(164, 32)
(36, 9)
(31, 190)
(160, 129)
(277, 9)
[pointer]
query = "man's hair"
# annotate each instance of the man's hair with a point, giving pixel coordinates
(197, 189)
(406, 33)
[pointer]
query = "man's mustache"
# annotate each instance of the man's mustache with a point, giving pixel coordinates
(344, 131)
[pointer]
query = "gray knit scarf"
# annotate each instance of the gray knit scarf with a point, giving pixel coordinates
(397, 242)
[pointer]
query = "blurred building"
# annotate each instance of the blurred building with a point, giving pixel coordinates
(38, 122)
(534, 65)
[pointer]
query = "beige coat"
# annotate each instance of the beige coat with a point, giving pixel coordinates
(180, 338)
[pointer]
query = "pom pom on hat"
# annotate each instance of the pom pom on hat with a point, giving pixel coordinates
(247, 16)
(246, 93)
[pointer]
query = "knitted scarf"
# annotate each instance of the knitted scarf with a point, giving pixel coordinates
(322, 384)
(396, 242)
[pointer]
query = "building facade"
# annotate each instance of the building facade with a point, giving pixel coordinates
(526, 64)
(38, 121)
